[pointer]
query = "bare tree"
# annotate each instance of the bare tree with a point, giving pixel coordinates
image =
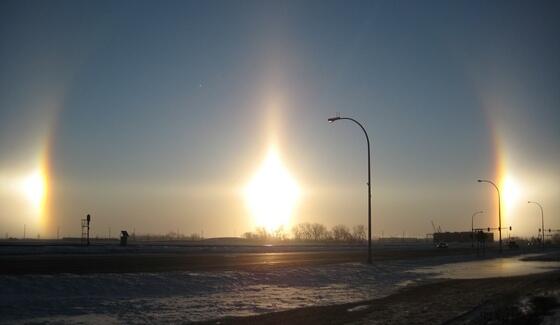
(280, 234)
(307, 231)
(318, 231)
(341, 233)
(359, 232)
(297, 231)
(303, 231)
(249, 235)
(262, 233)
(195, 236)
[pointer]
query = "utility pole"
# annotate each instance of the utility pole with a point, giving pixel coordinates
(542, 220)
(499, 209)
(88, 218)
(472, 227)
(336, 118)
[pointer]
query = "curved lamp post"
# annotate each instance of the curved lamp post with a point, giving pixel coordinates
(472, 226)
(333, 119)
(499, 209)
(542, 220)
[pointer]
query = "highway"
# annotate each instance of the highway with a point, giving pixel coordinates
(199, 261)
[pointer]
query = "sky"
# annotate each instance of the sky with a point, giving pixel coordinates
(155, 116)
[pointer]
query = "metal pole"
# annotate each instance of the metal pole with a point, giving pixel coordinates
(542, 225)
(472, 227)
(332, 119)
(88, 218)
(542, 220)
(499, 209)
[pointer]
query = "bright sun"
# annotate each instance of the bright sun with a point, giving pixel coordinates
(272, 194)
(34, 188)
(511, 192)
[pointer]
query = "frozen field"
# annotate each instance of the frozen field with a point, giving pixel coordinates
(194, 296)
(189, 296)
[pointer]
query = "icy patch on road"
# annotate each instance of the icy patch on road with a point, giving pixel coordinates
(490, 268)
(192, 296)
(358, 308)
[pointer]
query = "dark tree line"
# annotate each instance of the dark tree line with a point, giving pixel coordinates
(169, 236)
(261, 233)
(311, 232)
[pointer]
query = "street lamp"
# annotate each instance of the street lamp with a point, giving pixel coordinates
(499, 209)
(333, 119)
(472, 227)
(542, 220)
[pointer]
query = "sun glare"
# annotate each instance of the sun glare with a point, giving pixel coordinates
(272, 194)
(510, 193)
(34, 188)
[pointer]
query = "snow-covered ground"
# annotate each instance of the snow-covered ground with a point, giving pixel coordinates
(189, 296)
(193, 296)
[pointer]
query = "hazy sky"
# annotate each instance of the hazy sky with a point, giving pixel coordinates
(154, 115)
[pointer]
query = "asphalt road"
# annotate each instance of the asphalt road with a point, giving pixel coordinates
(163, 262)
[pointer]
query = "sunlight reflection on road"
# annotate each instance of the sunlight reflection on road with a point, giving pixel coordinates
(499, 267)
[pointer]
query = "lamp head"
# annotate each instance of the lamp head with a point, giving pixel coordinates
(332, 119)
